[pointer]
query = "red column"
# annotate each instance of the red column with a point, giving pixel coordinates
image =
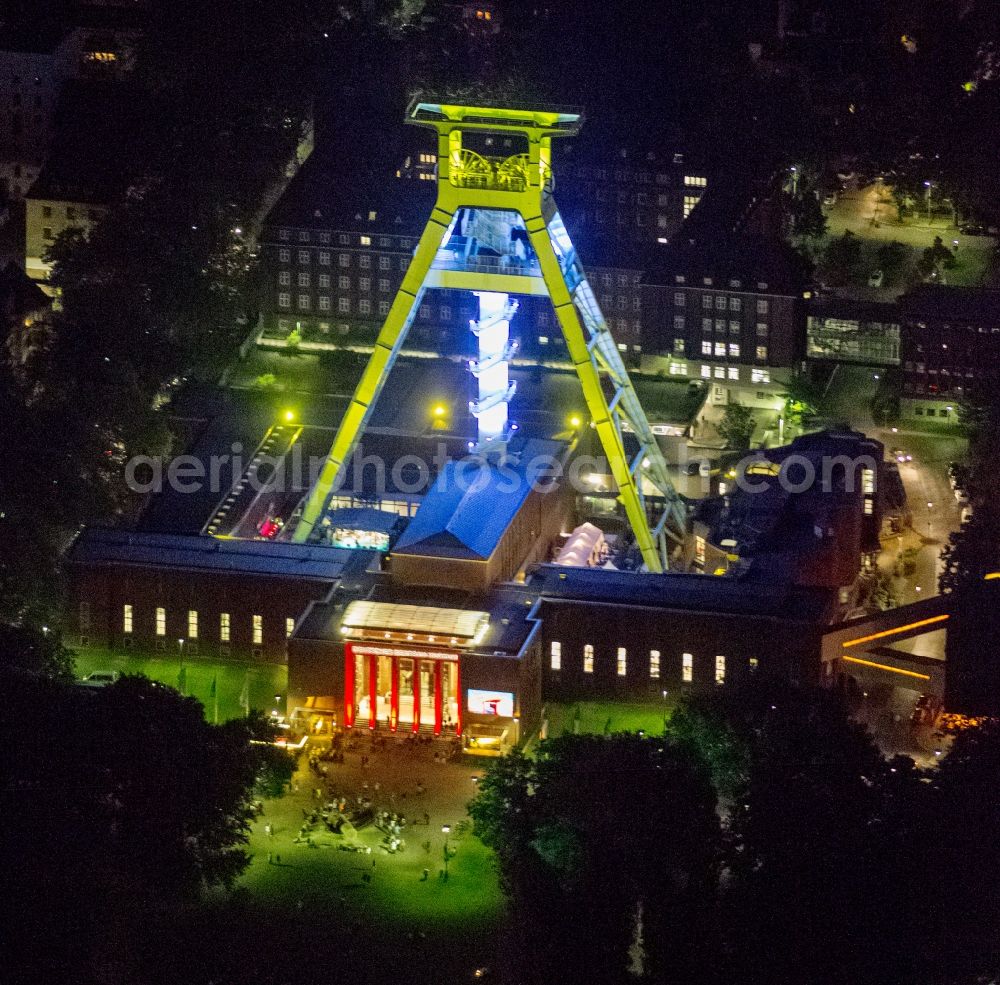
(348, 686)
(372, 689)
(394, 700)
(416, 695)
(437, 697)
(458, 697)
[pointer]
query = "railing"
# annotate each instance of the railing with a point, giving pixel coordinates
(508, 264)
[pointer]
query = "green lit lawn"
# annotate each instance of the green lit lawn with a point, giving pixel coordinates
(264, 680)
(595, 715)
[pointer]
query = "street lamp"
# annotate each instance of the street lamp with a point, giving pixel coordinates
(664, 711)
(927, 185)
(930, 506)
(446, 830)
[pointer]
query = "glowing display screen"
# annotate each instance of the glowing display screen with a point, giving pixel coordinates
(500, 703)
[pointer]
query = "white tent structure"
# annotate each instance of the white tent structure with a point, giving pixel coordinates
(583, 548)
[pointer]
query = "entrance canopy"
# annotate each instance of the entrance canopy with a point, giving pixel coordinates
(414, 623)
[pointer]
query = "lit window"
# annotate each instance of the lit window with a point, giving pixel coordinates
(224, 627)
(754, 664)
(289, 627)
(258, 630)
(868, 487)
(762, 352)
(654, 663)
(699, 549)
(760, 376)
(543, 340)
(678, 347)
(734, 350)
(706, 347)
(690, 201)
(127, 619)
(366, 241)
(555, 656)
(733, 372)
(762, 307)
(706, 372)
(622, 662)
(720, 349)
(161, 621)
(588, 659)
(720, 670)
(192, 624)
(720, 372)
(687, 667)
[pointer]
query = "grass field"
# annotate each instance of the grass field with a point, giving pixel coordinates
(606, 717)
(263, 681)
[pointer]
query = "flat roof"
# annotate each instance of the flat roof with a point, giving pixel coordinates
(681, 590)
(461, 624)
(98, 547)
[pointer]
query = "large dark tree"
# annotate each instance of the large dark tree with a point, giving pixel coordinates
(597, 837)
(117, 805)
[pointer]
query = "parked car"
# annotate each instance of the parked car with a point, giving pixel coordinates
(875, 278)
(100, 678)
(830, 199)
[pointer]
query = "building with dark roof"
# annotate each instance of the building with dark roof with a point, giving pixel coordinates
(950, 339)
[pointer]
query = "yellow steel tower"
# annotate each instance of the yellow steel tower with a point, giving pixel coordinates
(495, 230)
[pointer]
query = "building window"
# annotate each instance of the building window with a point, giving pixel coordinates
(734, 350)
(224, 627)
(289, 627)
(304, 302)
(161, 621)
(445, 313)
(285, 256)
(344, 259)
(364, 307)
(364, 261)
(691, 181)
(543, 340)
(679, 347)
(754, 664)
(680, 299)
(192, 624)
(734, 328)
(588, 659)
(303, 236)
(343, 305)
(706, 372)
(383, 284)
(383, 307)
(324, 302)
(735, 304)
(324, 258)
(762, 352)
(760, 376)
(303, 256)
(720, 302)
(762, 306)
(324, 280)
(720, 670)
(622, 662)
(127, 618)
(555, 656)
(47, 233)
(868, 488)
(366, 241)
(690, 201)
(425, 312)
(258, 630)
(304, 280)
(687, 667)
(343, 239)
(344, 283)
(284, 300)
(678, 323)
(720, 372)
(384, 262)
(720, 349)
(706, 326)
(733, 372)
(706, 302)
(706, 347)
(761, 330)
(654, 664)
(284, 278)
(699, 550)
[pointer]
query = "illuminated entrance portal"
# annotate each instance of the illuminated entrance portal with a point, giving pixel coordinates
(495, 230)
(401, 689)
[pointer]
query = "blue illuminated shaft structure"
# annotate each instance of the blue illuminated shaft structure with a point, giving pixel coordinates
(491, 368)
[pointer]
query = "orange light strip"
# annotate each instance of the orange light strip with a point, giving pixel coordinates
(894, 670)
(896, 631)
(992, 576)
